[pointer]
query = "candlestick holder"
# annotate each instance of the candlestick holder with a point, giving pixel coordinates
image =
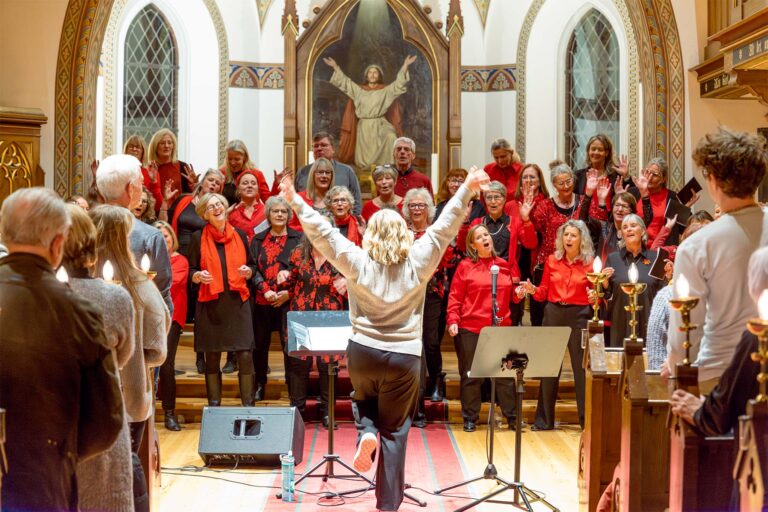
(759, 328)
(596, 278)
(684, 305)
(633, 290)
(151, 274)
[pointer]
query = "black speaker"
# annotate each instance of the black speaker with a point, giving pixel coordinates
(250, 435)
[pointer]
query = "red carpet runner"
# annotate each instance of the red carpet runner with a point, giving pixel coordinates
(431, 463)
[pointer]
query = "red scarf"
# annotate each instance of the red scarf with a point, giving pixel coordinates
(353, 230)
(234, 255)
(181, 205)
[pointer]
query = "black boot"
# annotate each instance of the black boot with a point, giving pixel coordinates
(420, 418)
(247, 383)
(213, 388)
(258, 394)
(200, 362)
(171, 422)
(438, 388)
(231, 365)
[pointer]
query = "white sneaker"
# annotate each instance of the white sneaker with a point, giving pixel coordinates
(363, 458)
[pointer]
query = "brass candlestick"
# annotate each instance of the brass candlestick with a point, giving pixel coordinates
(759, 327)
(684, 305)
(633, 289)
(596, 278)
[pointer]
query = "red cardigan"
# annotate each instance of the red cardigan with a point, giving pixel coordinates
(469, 301)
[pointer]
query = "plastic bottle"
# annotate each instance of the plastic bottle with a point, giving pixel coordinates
(287, 466)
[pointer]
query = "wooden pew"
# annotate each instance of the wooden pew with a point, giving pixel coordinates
(600, 442)
(149, 454)
(751, 466)
(643, 481)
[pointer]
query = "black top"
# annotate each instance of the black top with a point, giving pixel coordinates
(189, 222)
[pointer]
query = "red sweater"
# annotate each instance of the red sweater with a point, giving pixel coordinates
(659, 207)
(469, 301)
(369, 208)
(411, 179)
(564, 282)
(179, 271)
(154, 188)
(507, 176)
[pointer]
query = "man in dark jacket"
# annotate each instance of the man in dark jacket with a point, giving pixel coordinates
(51, 360)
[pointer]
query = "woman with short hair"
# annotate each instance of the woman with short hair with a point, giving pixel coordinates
(220, 262)
(339, 203)
(111, 469)
(384, 179)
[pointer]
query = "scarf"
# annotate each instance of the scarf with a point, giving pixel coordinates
(181, 205)
(234, 255)
(353, 230)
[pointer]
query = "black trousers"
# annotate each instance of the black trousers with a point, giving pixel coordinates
(576, 318)
(167, 389)
(431, 335)
(386, 385)
(266, 320)
(466, 344)
(140, 491)
(298, 384)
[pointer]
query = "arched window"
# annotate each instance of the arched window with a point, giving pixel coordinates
(592, 85)
(150, 87)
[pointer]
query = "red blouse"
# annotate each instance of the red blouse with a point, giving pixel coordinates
(469, 301)
(238, 218)
(371, 207)
(507, 176)
(180, 273)
(154, 188)
(659, 208)
(564, 282)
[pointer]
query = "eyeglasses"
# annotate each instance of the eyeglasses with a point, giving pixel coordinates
(564, 183)
(213, 206)
(134, 146)
(417, 206)
(656, 174)
(323, 172)
(340, 200)
(620, 206)
(456, 181)
(491, 198)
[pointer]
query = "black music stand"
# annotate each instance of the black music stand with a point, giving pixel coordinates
(506, 352)
(326, 333)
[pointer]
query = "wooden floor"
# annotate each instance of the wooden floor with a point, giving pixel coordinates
(549, 466)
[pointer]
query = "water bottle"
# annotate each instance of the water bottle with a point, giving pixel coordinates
(287, 465)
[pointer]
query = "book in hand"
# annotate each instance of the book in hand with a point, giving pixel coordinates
(687, 192)
(657, 269)
(677, 208)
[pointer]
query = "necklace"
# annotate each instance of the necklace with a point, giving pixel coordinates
(572, 206)
(503, 224)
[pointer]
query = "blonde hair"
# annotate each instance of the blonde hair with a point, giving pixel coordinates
(470, 250)
(155, 141)
(387, 238)
(202, 203)
(137, 139)
(80, 247)
(586, 250)
(163, 225)
(236, 146)
(311, 192)
(113, 227)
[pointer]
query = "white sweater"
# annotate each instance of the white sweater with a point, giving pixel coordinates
(714, 261)
(386, 302)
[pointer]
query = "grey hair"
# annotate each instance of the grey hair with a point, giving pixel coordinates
(384, 170)
(496, 186)
(33, 216)
(561, 169)
(501, 143)
(586, 250)
(339, 190)
(639, 220)
(758, 272)
(276, 201)
(661, 164)
(114, 173)
(413, 194)
(407, 141)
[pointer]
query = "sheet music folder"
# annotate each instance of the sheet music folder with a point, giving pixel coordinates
(318, 333)
(544, 346)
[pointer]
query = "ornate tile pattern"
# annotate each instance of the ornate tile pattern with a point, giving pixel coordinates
(522, 48)
(488, 78)
(221, 36)
(253, 75)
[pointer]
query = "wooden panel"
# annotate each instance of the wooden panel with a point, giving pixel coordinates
(20, 149)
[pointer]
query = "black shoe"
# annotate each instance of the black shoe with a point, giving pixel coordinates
(420, 420)
(258, 395)
(269, 370)
(326, 422)
(439, 385)
(171, 422)
(200, 362)
(469, 426)
(229, 367)
(539, 428)
(512, 423)
(213, 389)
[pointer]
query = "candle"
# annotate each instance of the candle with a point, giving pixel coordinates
(633, 274)
(597, 265)
(682, 287)
(311, 157)
(435, 172)
(108, 272)
(145, 263)
(762, 305)
(62, 275)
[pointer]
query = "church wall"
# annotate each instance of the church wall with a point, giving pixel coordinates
(705, 115)
(28, 63)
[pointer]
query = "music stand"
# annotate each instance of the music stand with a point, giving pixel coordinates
(326, 333)
(506, 352)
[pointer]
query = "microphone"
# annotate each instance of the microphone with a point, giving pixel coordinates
(494, 278)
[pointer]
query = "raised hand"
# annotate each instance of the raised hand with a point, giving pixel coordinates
(641, 182)
(526, 206)
(331, 62)
(169, 193)
(278, 176)
(604, 189)
(287, 190)
(154, 174)
(623, 168)
(477, 180)
(693, 200)
(618, 186)
(190, 175)
(408, 61)
(592, 181)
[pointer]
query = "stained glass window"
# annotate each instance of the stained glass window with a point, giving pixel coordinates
(592, 85)
(150, 91)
